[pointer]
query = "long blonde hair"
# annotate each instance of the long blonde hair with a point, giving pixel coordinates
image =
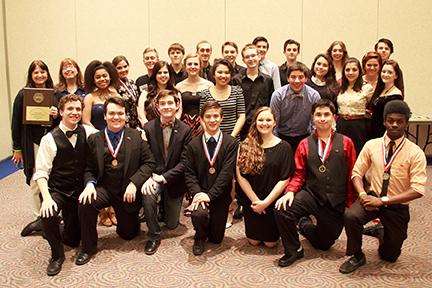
(251, 155)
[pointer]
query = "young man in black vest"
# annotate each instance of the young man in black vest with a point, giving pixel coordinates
(321, 185)
(119, 161)
(59, 174)
(210, 164)
(167, 137)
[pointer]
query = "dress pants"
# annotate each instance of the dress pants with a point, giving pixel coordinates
(71, 234)
(322, 235)
(395, 220)
(209, 223)
(128, 224)
(172, 207)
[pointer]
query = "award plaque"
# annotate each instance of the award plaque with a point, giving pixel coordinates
(36, 106)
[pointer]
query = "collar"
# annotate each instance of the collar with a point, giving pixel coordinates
(397, 141)
(112, 134)
(291, 93)
(216, 135)
(65, 129)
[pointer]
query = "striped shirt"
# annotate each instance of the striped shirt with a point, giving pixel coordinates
(232, 107)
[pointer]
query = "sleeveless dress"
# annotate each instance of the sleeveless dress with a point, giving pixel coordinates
(97, 116)
(190, 115)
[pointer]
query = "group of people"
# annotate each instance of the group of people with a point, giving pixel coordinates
(287, 142)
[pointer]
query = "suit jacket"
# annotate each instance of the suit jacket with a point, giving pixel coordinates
(198, 178)
(173, 167)
(138, 166)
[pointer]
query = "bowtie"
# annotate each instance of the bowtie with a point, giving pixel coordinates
(168, 124)
(71, 132)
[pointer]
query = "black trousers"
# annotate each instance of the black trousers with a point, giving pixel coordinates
(209, 223)
(322, 236)
(128, 225)
(71, 233)
(395, 220)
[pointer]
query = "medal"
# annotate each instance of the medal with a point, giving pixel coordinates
(386, 176)
(114, 154)
(324, 153)
(212, 160)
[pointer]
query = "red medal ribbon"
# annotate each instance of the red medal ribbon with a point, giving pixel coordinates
(218, 146)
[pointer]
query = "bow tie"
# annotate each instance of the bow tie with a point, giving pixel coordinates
(71, 132)
(168, 124)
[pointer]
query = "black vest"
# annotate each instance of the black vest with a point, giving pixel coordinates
(67, 174)
(330, 185)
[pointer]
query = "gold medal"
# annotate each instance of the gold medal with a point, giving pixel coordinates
(322, 168)
(114, 162)
(212, 170)
(386, 176)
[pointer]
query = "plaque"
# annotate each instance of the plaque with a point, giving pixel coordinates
(212, 170)
(37, 103)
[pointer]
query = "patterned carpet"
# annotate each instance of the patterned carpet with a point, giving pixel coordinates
(235, 263)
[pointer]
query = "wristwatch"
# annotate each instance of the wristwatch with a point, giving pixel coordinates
(385, 200)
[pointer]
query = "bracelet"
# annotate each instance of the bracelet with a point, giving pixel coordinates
(16, 150)
(361, 194)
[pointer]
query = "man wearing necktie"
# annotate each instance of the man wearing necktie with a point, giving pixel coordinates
(59, 174)
(209, 177)
(167, 137)
(113, 175)
(397, 176)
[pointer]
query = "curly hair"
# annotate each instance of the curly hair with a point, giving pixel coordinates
(251, 155)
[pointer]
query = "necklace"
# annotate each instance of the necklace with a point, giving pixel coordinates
(388, 90)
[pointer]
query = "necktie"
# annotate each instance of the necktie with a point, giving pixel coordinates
(390, 150)
(115, 141)
(71, 132)
(211, 146)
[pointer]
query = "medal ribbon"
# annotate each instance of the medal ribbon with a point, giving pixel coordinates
(110, 146)
(398, 149)
(218, 146)
(323, 155)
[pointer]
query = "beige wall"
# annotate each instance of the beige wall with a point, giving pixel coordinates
(101, 29)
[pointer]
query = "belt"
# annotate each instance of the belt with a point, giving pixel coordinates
(351, 117)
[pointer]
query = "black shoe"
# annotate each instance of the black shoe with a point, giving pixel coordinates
(238, 213)
(287, 260)
(83, 258)
(352, 264)
(151, 246)
(54, 266)
(34, 226)
(376, 230)
(198, 247)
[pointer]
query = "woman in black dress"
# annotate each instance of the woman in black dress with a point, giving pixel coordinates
(389, 87)
(264, 165)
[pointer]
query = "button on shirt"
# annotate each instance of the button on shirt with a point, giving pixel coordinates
(48, 150)
(293, 110)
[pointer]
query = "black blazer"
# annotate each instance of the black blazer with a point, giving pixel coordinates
(138, 167)
(173, 168)
(198, 178)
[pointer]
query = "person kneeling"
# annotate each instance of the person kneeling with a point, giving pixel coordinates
(321, 185)
(167, 137)
(389, 196)
(210, 163)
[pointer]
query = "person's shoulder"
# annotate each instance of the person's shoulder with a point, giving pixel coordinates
(413, 148)
(311, 91)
